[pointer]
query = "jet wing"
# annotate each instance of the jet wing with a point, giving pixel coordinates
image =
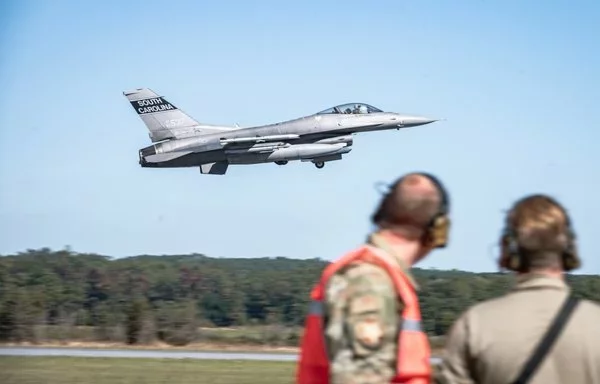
(258, 139)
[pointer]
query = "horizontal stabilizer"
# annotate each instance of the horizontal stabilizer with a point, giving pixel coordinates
(160, 157)
(218, 168)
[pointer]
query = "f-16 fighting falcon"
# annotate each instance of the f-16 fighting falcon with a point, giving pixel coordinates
(180, 141)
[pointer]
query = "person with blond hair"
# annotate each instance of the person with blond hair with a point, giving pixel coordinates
(538, 332)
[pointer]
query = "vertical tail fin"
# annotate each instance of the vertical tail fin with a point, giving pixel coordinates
(163, 119)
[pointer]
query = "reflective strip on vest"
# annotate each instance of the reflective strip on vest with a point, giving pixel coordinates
(410, 325)
(315, 308)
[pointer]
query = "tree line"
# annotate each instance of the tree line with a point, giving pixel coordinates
(55, 294)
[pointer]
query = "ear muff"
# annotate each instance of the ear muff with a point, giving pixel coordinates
(438, 229)
(510, 258)
(570, 255)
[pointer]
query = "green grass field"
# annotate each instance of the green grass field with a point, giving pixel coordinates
(83, 370)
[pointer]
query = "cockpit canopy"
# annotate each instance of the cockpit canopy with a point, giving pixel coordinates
(351, 108)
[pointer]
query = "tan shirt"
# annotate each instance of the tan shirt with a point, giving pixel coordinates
(492, 340)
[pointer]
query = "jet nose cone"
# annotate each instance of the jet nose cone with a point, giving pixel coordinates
(407, 121)
(413, 121)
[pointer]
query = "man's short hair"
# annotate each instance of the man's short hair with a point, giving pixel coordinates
(412, 202)
(540, 225)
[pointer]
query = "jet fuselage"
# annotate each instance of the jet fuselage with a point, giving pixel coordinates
(310, 129)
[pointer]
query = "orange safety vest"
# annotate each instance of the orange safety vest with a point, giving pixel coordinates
(413, 357)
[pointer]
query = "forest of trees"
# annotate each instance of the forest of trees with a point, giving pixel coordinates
(49, 294)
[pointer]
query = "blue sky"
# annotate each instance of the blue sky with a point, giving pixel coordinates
(517, 82)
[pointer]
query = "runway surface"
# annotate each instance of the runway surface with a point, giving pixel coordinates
(154, 354)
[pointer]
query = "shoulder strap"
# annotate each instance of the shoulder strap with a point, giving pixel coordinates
(548, 340)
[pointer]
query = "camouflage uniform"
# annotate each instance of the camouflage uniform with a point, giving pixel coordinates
(362, 316)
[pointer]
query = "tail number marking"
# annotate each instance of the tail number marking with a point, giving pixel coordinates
(172, 123)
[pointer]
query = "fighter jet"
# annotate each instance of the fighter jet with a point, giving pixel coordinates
(180, 141)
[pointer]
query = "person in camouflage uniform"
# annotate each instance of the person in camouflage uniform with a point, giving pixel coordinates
(362, 311)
